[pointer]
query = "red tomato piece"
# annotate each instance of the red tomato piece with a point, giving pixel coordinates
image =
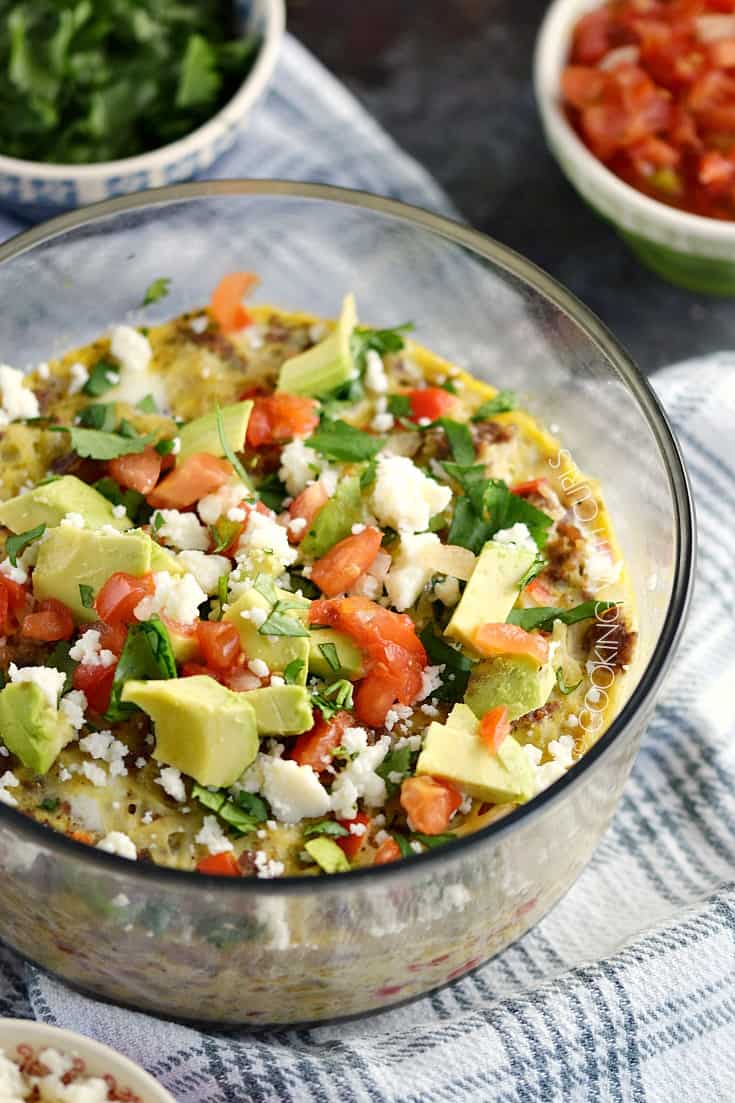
(51, 621)
(192, 670)
(119, 596)
(431, 403)
(582, 86)
(314, 748)
(13, 600)
(388, 851)
(376, 693)
(539, 592)
(112, 636)
(306, 506)
(592, 37)
(429, 803)
(279, 417)
(226, 301)
(510, 639)
(96, 684)
(137, 472)
(343, 564)
(219, 642)
(198, 475)
(223, 864)
(350, 844)
(494, 727)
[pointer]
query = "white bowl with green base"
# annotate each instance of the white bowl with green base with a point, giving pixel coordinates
(686, 249)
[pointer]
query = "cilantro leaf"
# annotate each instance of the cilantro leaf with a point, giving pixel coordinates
(223, 533)
(498, 404)
(147, 654)
(460, 440)
(403, 844)
(15, 545)
(147, 405)
(487, 506)
(457, 666)
(242, 814)
(59, 659)
(199, 80)
(102, 378)
(395, 762)
(154, 292)
(331, 699)
(98, 415)
(227, 448)
(271, 492)
(431, 841)
(325, 827)
(338, 441)
(545, 615)
(562, 685)
(331, 657)
(86, 595)
(292, 671)
(165, 446)
(94, 444)
(399, 405)
(382, 341)
(279, 623)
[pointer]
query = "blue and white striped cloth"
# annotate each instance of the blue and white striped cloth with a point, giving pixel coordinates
(626, 991)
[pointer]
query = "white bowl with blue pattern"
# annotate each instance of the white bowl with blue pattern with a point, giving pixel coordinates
(35, 190)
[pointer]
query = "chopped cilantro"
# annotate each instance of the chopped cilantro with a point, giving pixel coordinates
(292, 671)
(59, 659)
(86, 595)
(242, 813)
(135, 504)
(460, 440)
(338, 441)
(368, 475)
(222, 591)
(165, 447)
(561, 684)
(147, 654)
(278, 622)
(98, 415)
(155, 291)
(271, 492)
(102, 378)
(399, 405)
(395, 762)
(403, 844)
(15, 545)
(382, 341)
(488, 505)
(49, 804)
(330, 699)
(433, 840)
(147, 405)
(157, 521)
(97, 445)
(227, 448)
(457, 666)
(325, 827)
(545, 615)
(331, 657)
(533, 571)
(498, 404)
(223, 533)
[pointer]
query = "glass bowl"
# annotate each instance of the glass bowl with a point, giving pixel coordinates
(302, 949)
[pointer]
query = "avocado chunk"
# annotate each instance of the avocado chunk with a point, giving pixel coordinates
(70, 556)
(202, 728)
(492, 590)
(327, 365)
(50, 502)
(164, 560)
(327, 644)
(202, 434)
(31, 728)
(515, 681)
(184, 646)
(455, 752)
(281, 710)
(275, 651)
(335, 519)
(328, 855)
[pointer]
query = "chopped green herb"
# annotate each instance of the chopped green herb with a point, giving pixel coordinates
(325, 827)
(222, 582)
(212, 801)
(544, 616)
(488, 505)
(399, 405)
(98, 415)
(227, 448)
(307, 587)
(332, 698)
(243, 813)
(15, 545)
(433, 840)
(223, 533)
(395, 762)
(498, 404)
(279, 623)
(155, 291)
(96, 445)
(157, 521)
(49, 804)
(533, 571)
(368, 475)
(449, 385)
(135, 504)
(147, 405)
(338, 441)
(292, 671)
(59, 660)
(102, 378)
(86, 595)
(457, 666)
(561, 684)
(460, 440)
(331, 657)
(382, 341)
(403, 844)
(165, 447)
(271, 492)
(127, 429)
(147, 654)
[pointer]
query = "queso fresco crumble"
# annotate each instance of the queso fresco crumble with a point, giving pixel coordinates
(286, 596)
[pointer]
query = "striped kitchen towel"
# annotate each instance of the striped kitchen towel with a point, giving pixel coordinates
(626, 990)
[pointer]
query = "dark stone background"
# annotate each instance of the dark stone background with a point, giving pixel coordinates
(451, 81)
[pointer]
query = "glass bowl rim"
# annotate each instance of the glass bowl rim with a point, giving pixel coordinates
(506, 259)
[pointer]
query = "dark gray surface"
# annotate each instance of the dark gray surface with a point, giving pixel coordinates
(451, 81)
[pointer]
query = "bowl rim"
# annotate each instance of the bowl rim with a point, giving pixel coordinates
(230, 113)
(648, 403)
(549, 53)
(70, 1041)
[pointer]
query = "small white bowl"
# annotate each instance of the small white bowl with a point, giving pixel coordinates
(35, 190)
(686, 249)
(99, 1059)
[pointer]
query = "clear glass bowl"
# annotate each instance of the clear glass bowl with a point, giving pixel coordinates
(296, 950)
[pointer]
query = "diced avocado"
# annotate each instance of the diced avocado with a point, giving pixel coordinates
(462, 717)
(202, 728)
(164, 560)
(515, 681)
(335, 519)
(492, 590)
(282, 710)
(202, 434)
(327, 365)
(50, 502)
(275, 651)
(30, 727)
(70, 556)
(348, 655)
(184, 647)
(456, 753)
(327, 855)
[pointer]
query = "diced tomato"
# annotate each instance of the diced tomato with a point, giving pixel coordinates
(137, 472)
(431, 403)
(226, 302)
(722, 53)
(651, 154)
(592, 37)
(388, 851)
(350, 844)
(81, 837)
(314, 748)
(429, 803)
(112, 636)
(223, 864)
(279, 417)
(531, 486)
(198, 475)
(96, 684)
(306, 506)
(716, 172)
(376, 693)
(539, 592)
(494, 727)
(343, 564)
(193, 670)
(116, 601)
(582, 86)
(51, 621)
(13, 600)
(219, 642)
(510, 639)
(238, 678)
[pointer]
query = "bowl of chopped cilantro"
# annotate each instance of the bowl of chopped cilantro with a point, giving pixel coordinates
(106, 97)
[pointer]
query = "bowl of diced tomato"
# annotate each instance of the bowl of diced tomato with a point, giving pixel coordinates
(637, 101)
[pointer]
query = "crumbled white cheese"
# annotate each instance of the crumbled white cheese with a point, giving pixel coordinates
(43, 370)
(266, 867)
(213, 837)
(236, 514)
(17, 400)
(87, 650)
(16, 574)
(12, 1087)
(358, 829)
(375, 378)
(370, 583)
(264, 534)
(117, 842)
(447, 591)
(169, 778)
(562, 757)
(48, 680)
(403, 497)
(119, 511)
(131, 348)
(383, 422)
(74, 705)
(94, 773)
(8, 781)
(259, 668)
(73, 520)
(396, 714)
(199, 324)
(358, 778)
(294, 792)
(215, 505)
(103, 745)
(177, 597)
(409, 575)
(431, 680)
(78, 376)
(600, 570)
(183, 530)
(518, 534)
(297, 525)
(299, 466)
(256, 616)
(277, 680)
(207, 569)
